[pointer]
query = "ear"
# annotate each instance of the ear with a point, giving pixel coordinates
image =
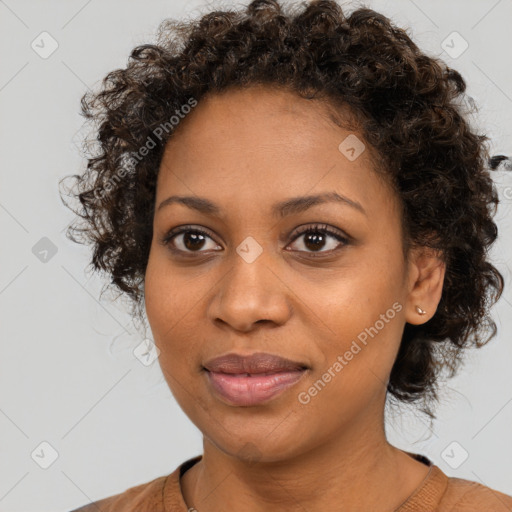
(426, 270)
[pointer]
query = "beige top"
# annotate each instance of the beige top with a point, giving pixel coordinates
(437, 492)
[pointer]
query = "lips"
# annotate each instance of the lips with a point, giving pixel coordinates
(251, 380)
(258, 363)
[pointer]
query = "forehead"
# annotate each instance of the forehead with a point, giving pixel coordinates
(271, 111)
(263, 143)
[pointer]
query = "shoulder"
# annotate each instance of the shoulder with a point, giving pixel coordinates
(145, 497)
(148, 497)
(468, 496)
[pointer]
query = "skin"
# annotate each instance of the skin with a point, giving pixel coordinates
(246, 150)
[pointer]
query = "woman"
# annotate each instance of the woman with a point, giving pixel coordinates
(298, 204)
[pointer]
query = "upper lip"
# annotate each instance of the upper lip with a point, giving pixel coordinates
(260, 362)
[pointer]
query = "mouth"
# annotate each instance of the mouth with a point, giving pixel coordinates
(252, 379)
(245, 389)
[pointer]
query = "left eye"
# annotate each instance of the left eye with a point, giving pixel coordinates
(314, 238)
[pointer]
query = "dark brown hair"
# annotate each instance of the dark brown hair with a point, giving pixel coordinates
(410, 107)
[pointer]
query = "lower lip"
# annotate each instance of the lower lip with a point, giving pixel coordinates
(254, 389)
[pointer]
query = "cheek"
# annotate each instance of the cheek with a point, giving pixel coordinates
(164, 309)
(155, 297)
(356, 362)
(172, 308)
(174, 333)
(364, 312)
(361, 292)
(167, 297)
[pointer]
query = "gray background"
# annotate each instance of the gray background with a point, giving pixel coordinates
(68, 375)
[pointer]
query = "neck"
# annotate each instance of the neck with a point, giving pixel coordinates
(358, 470)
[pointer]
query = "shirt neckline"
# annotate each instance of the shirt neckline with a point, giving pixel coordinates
(426, 496)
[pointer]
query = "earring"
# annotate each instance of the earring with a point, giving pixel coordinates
(420, 311)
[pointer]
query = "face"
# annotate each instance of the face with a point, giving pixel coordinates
(332, 298)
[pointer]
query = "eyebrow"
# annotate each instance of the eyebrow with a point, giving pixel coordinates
(282, 209)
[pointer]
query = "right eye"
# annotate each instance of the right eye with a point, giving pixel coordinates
(186, 239)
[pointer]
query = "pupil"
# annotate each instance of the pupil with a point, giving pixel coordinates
(193, 240)
(314, 240)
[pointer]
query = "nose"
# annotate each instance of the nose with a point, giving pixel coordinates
(250, 293)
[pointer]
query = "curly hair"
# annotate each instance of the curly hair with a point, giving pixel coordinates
(410, 107)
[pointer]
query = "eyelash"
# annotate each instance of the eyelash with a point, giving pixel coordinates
(316, 228)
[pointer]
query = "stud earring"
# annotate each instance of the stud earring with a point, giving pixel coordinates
(420, 311)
